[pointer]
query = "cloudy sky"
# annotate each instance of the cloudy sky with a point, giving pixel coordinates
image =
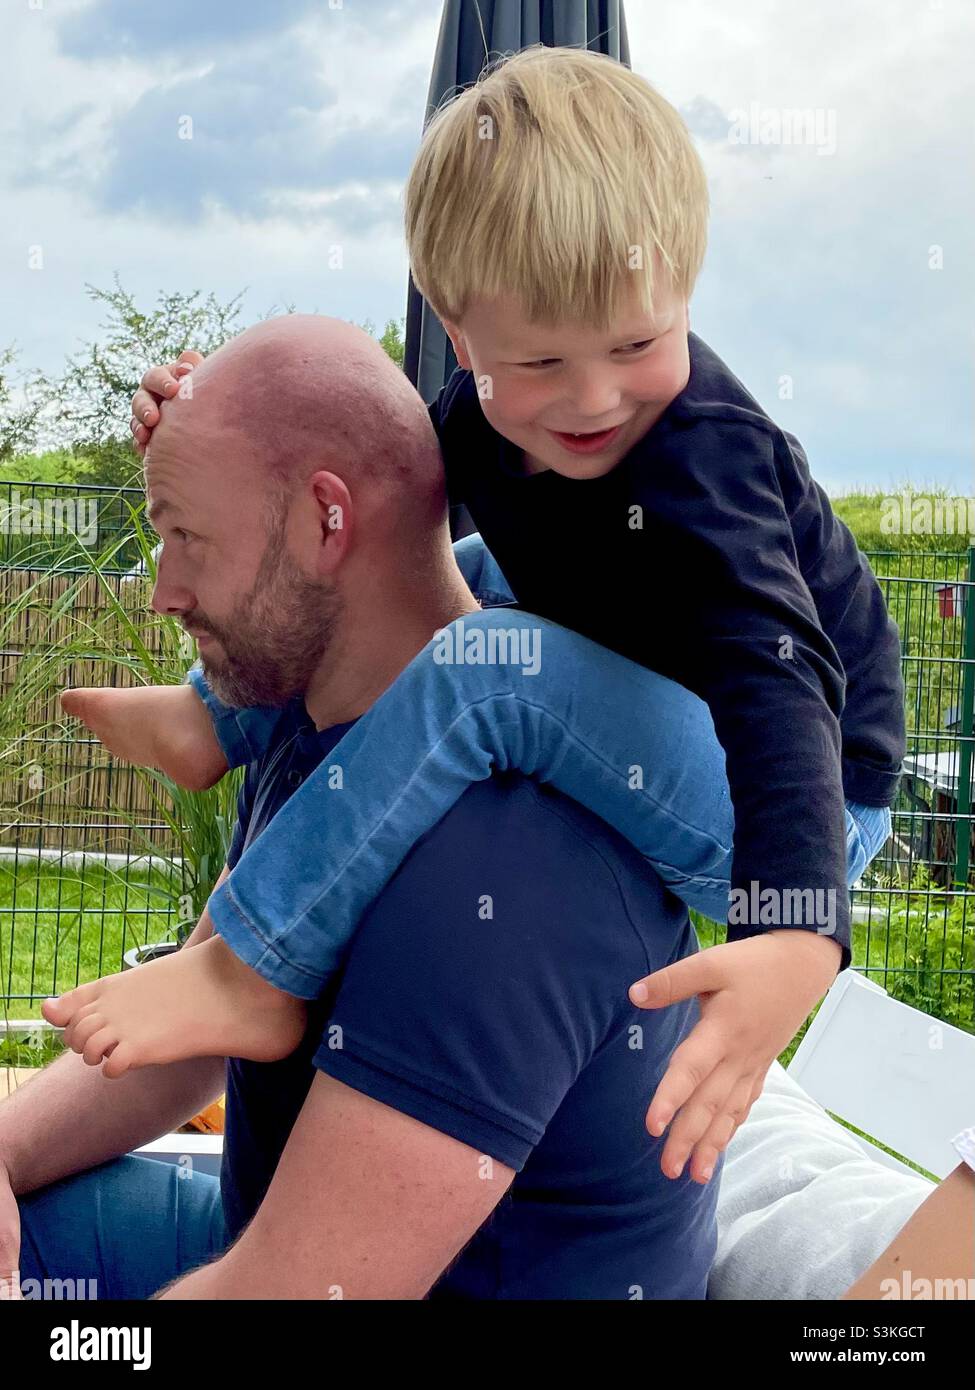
(841, 261)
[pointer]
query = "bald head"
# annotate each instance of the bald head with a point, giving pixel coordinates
(303, 392)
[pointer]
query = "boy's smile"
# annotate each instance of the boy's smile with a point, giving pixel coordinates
(542, 385)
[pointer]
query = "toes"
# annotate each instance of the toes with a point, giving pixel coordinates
(56, 1011)
(61, 1010)
(119, 1062)
(98, 1045)
(84, 1029)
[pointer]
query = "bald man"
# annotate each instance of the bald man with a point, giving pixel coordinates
(461, 1114)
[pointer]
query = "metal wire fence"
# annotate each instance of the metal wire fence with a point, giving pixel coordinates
(915, 910)
(42, 523)
(89, 864)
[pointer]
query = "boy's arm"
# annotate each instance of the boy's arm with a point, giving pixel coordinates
(854, 616)
(70, 1117)
(747, 640)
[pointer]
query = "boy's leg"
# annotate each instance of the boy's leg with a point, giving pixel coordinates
(243, 733)
(867, 831)
(481, 571)
(121, 1230)
(628, 743)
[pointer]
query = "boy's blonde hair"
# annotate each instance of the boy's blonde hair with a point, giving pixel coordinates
(560, 177)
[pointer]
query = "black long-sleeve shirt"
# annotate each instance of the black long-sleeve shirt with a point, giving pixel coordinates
(710, 555)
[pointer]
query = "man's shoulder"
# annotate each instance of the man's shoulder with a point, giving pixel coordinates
(512, 836)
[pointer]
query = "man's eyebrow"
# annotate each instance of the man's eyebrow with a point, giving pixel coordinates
(158, 509)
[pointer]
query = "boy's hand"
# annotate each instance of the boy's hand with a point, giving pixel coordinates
(754, 997)
(158, 384)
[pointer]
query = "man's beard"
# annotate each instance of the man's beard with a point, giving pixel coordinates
(275, 637)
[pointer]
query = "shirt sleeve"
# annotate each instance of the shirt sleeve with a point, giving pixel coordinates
(500, 951)
(852, 610)
(751, 645)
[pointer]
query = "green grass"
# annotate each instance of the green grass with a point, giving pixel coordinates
(33, 1051)
(862, 511)
(68, 926)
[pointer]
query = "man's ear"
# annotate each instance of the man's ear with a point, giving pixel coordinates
(687, 316)
(459, 343)
(334, 519)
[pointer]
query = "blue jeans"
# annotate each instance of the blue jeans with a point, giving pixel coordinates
(633, 746)
(121, 1230)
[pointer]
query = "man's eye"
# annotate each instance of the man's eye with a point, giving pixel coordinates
(638, 347)
(543, 362)
(180, 534)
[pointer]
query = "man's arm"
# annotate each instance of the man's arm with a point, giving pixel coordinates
(70, 1117)
(366, 1202)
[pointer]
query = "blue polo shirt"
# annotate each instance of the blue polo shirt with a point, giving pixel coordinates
(484, 994)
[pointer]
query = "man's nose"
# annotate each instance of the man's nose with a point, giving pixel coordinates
(170, 596)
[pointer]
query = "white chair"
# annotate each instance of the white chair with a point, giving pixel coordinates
(904, 1077)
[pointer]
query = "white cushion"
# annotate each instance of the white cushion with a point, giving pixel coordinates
(803, 1211)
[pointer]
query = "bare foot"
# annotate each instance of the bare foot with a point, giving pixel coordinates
(201, 1002)
(164, 726)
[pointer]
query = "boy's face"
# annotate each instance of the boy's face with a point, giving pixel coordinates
(546, 381)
